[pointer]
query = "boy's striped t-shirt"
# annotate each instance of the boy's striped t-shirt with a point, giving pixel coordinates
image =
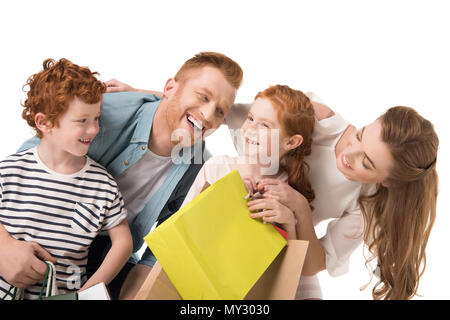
(62, 213)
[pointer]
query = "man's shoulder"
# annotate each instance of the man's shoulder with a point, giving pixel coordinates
(121, 108)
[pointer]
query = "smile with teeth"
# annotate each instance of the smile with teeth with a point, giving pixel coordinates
(345, 162)
(85, 141)
(196, 124)
(250, 141)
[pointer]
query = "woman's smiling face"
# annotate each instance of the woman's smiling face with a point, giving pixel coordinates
(366, 157)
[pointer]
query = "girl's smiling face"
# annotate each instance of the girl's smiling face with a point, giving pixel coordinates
(262, 132)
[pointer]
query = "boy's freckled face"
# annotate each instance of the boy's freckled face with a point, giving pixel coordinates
(77, 127)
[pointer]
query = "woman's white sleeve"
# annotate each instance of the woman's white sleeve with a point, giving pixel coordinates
(343, 236)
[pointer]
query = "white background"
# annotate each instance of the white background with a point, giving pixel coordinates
(360, 57)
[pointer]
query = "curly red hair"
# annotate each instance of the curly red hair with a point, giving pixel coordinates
(52, 89)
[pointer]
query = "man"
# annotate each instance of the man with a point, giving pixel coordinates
(141, 141)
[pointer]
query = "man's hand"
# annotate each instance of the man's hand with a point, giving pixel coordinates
(22, 262)
(114, 85)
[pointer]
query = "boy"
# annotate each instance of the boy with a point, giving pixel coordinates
(54, 194)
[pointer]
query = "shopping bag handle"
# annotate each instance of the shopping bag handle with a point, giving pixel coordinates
(49, 280)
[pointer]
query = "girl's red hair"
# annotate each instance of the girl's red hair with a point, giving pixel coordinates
(296, 115)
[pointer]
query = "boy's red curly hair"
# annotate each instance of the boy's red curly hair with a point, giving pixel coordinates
(52, 89)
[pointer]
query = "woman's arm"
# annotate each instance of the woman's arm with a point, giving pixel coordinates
(118, 255)
(315, 260)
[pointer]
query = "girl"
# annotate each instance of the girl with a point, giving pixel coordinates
(279, 126)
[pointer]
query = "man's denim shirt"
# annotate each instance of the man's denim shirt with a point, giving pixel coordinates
(125, 126)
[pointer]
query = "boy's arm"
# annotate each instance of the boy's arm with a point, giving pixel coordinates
(118, 255)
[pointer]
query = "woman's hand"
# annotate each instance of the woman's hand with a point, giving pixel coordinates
(271, 210)
(114, 85)
(282, 192)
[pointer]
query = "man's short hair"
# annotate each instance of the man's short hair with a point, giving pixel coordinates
(229, 68)
(53, 88)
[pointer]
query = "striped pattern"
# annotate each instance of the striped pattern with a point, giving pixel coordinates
(61, 213)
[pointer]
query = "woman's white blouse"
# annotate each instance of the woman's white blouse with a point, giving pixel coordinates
(336, 197)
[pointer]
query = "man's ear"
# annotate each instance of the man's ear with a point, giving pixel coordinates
(293, 142)
(385, 184)
(171, 87)
(42, 123)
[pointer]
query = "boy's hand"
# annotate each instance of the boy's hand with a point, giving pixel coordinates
(114, 85)
(22, 262)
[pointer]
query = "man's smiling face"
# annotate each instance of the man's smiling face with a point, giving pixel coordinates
(198, 104)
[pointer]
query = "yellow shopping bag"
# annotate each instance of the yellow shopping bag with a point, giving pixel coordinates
(211, 248)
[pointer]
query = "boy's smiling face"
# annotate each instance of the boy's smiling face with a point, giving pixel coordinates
(76, 128)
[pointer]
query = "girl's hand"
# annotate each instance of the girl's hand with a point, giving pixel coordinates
(282, 192)
(250, 185)
(273, 211)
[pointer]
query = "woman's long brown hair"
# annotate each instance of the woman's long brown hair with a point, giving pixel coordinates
(296, 115)
(399, 217)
